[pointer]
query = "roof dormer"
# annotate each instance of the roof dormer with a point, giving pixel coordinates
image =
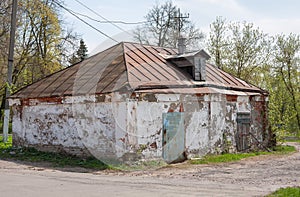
(192, 62)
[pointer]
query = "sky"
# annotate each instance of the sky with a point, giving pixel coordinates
(271, 16)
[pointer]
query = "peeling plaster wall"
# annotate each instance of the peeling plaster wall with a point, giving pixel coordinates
(210, 122)
(197, 124)
(77, 125)
(129, 127)
(259, 120)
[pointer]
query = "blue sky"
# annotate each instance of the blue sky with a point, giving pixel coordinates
(271, 16)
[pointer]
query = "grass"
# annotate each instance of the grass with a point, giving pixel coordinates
(57, 160)
(293, 140)
(230, 157)
(289, 191)
(7, 151)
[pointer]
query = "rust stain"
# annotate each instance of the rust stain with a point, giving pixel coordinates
(54, 100)
(231, 98)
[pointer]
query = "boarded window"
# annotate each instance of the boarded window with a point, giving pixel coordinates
(243, 131)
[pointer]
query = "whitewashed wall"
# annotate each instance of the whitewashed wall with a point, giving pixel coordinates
(123, 128)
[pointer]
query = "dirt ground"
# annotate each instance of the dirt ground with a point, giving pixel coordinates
(256, 176)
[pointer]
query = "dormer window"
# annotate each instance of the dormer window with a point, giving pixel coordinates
(193, 63)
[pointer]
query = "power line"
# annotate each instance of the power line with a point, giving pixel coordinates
(120, 22)
(108, 21)
(71, 12)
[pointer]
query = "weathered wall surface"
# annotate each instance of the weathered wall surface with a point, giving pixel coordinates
(259, 127)
(76, 125)
(115, 126)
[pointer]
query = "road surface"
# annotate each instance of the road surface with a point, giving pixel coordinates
(250, 177)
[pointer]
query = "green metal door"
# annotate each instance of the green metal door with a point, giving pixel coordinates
(173, 137)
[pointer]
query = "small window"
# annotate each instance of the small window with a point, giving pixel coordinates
(188, 69)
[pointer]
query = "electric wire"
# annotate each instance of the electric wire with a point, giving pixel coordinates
(108, 21)
(71, 12)
(121, 22)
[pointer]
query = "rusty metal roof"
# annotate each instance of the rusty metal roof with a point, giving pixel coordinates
(130, 66)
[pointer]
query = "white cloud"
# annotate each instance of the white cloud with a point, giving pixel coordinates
(231, 7)
(278, 26)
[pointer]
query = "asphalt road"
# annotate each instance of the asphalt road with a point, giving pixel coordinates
(251, 177)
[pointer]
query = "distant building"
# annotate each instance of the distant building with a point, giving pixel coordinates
(135, 101)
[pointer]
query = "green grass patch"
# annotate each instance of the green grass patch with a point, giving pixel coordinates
(283, 149)
(57, 160)
(7, 151)
(289, 191)
(290, 139)
(230, 157)
(293, 140)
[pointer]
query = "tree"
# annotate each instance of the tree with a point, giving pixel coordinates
(162, 28)
(82, 51)
(41, 45)
(239, 48)
(39, 33)
(248, 50)
(42, 42)
(217, 41)
(5, 8)
(80, 54)
(268, 62)
(286, 65)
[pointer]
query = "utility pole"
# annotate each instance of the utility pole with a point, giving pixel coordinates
(10, 68)
(181, 40)
(179, 19)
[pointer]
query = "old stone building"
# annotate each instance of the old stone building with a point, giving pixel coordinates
(135, 101)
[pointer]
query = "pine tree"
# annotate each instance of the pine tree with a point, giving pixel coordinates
(80, 54)
(82, 51)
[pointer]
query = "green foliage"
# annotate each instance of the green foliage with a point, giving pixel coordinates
(230, 157)
(293, 140)
(6, 145)
(80, 54)
(286, 192)
(217, 41)
(286, 69)
(239, 48)
(57, 160)
(281, 149)
(271, 63)
(39, 33)
(82, 51)
(42, 45)
(222, 158)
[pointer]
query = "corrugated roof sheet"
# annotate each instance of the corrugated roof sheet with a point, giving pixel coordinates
(127, 65)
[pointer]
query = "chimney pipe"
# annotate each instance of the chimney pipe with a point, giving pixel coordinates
(181, 45)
